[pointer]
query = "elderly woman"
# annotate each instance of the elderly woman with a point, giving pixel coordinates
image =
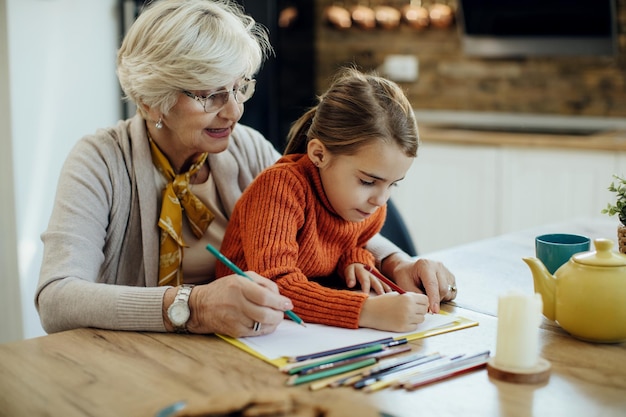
(137, 203)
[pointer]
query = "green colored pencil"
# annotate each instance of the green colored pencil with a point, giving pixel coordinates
(336, 358)
(303, 379)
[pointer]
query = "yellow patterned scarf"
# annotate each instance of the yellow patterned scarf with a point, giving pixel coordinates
(177, 197)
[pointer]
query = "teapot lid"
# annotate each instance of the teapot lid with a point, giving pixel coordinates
(603, 256)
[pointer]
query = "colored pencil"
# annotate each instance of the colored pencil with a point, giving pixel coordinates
(291, 365)
(316, 361)
(447, 374)
(401, 369)
(336, 380)
(456, 367)
(329, 352)
(384, 352)
(384, 279)
(312, 362)
(390, 363)
(396, 378)
(321, 363)
(433, 366)
(293, 316)
(302, 379)
(349, 380)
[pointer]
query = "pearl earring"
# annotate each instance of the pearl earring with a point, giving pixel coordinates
(159, 123)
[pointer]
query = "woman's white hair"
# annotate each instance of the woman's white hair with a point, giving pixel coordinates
(179, 45)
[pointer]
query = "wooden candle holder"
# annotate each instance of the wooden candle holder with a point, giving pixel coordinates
(537, 374)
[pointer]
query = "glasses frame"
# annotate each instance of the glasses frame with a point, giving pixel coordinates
(225, 94)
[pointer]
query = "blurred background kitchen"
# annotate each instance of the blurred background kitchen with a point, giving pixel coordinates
(521, 106)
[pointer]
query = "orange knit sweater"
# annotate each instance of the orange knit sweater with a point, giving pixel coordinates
(284, 228)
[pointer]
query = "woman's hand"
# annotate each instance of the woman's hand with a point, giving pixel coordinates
(422, 276)
(232, 304)
(394, 312)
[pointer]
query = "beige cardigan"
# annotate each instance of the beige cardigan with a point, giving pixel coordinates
(103, 228)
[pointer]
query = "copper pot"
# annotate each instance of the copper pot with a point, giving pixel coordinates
(338, 16)
(441, 15)
(363, 16)
(287, 17)
(415, 15)
(387, 17)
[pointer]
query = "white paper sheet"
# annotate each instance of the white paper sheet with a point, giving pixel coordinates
(291, 339)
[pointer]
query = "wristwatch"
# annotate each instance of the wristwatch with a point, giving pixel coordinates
(178, 312)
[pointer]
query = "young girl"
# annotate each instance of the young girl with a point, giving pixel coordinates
(305, 221)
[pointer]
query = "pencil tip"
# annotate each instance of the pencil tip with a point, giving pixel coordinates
(302, 324)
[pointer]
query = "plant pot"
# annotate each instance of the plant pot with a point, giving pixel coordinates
(621, 238)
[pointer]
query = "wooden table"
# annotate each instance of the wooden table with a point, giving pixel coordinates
(89, 372)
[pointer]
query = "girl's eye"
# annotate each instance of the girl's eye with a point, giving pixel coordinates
(365, 182)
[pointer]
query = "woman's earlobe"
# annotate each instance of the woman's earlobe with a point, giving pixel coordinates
(152, 114)
(144, 107)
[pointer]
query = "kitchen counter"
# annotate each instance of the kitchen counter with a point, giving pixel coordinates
(602, 141)
(525, 130)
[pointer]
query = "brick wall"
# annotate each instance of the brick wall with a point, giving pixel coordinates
(448, 80)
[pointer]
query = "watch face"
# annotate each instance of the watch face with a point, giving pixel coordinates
(178, 313)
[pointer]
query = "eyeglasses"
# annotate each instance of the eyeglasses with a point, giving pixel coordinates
(216, 101)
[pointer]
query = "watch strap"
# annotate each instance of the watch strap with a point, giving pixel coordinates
(182, 296)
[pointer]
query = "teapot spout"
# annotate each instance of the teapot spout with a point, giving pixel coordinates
(545, 284)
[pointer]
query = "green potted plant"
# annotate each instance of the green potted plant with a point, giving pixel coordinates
(619, 208)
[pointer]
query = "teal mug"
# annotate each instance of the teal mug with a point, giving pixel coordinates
(556, 249)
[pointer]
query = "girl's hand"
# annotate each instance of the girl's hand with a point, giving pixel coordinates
(394, 312)
(422, 276)
(357, 272)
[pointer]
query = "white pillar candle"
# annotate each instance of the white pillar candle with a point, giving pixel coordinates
(519, 316)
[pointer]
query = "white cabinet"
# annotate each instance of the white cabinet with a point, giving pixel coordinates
(621, 164)
(449, 195)
(552, 185)
(454, 194)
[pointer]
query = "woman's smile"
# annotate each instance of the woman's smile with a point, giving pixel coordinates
(219, 133)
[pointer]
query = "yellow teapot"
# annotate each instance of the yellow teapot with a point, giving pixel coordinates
(587, 295)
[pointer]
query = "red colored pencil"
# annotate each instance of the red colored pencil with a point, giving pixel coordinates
(384, 279)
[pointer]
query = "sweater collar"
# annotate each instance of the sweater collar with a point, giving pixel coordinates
(313, 174)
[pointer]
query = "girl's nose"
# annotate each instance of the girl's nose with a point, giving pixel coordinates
(380, 198)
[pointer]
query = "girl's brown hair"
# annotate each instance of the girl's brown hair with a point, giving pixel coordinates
(356, 109)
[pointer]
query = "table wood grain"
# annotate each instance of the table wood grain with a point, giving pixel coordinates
(91, 372)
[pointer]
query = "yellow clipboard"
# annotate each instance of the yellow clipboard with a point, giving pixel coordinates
(458, 324)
